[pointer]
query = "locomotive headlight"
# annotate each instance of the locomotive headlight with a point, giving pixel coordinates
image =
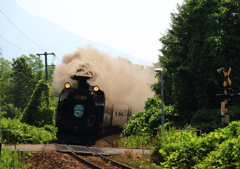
(95, 88)
(67, 85)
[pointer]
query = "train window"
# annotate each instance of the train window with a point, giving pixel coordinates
(120, 113)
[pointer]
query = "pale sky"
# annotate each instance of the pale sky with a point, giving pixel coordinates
(112, 22)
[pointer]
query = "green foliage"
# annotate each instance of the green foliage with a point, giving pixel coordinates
(137, 141)
(54, 97)
(136, 125)
(22, 76)
(234, 112)
(18, 79)
(13, 159)
(226, 156)
(37, 113)
(143, 123)
(5, 81)
(9, 110)
(15, 132)
(183, 149)
(206, 117)
(203, 37)
(51, 69)
(35, 62)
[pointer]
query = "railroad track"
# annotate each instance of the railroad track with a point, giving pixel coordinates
(109, 141)
(87, 151)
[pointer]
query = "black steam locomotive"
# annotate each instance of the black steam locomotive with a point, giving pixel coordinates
(84, 114)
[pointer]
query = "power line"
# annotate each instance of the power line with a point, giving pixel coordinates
(21, 31)
(12, 68)
(24, 35)
(57, 58)
(15, 70)
(21, 48)
(14, 45)
(19, 72)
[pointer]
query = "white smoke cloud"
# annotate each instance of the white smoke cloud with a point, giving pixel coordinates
(120, 80)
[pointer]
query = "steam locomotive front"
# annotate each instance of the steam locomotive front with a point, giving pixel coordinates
(78, 115)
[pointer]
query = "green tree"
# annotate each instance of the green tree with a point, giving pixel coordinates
(5, 81)
(51, 69)
(6, 95)
(34, 62)
(37, 112)
(203, 37)
(23, 81)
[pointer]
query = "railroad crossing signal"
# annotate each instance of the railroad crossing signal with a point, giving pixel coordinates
(227, 93)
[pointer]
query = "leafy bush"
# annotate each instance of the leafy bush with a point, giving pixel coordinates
(143, 123)
(9, 110)
(226, 156)
(185, 149)
(37, 112)
(16, 132)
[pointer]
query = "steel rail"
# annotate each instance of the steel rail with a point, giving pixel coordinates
(123, 166)
(109, 141)
(89, 164)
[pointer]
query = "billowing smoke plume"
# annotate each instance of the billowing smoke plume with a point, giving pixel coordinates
(120, 80)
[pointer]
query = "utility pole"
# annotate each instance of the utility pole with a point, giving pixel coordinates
(46, 69)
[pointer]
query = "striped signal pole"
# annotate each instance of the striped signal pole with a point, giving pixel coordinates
(226, 93)
(227, 88)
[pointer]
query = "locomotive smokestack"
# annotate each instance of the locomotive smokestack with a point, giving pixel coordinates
(82, 76)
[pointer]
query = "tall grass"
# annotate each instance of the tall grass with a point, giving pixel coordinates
(13, 159)
(135, 142)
